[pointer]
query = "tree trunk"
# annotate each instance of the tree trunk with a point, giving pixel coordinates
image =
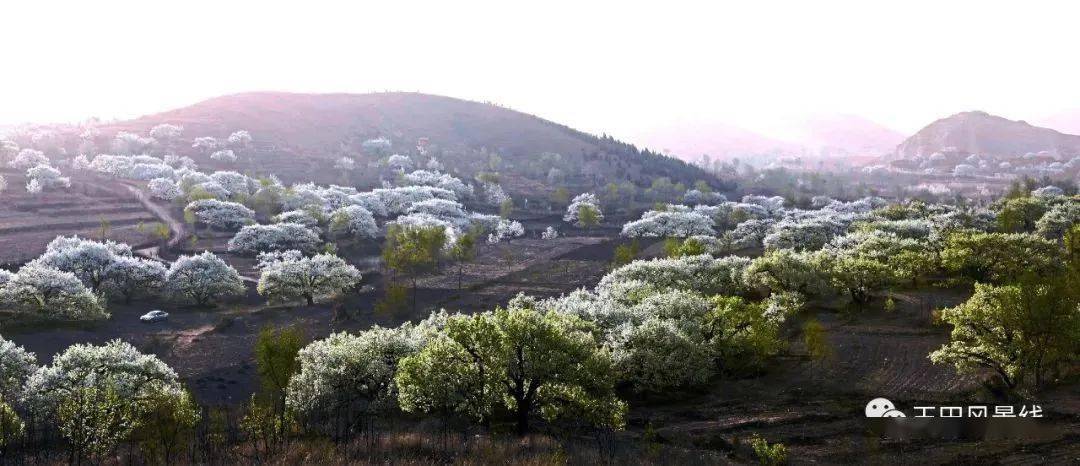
(522, 418)
(310, 300)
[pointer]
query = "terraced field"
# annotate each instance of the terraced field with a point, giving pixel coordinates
(29, 222)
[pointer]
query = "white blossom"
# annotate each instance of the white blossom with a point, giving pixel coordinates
(399, 162)
(345, 164)
(236, 184)
(48, 177)
(115, 366)
(204, 144)
(166, 132)
(28, 158)
(303, 217)
(438, 180)
(128, 276)
(203, 278)
(433, 164)
(240, 139)
(377, 144)
(964, 171)
(506, 229)
(549, 233)
(87, 259)
(1048, 191)
(586, 200)
(347, 373)
(130, 143)
(663, 224)
(494, 194)
(253, 239)
(51, 293)
(224, 155)
(289, 275)
(398, 200)
(704, 274)
(354, 222)
(221, 215)
(163, 188)
(16, 366)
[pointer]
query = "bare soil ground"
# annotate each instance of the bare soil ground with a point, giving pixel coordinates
(29, 222)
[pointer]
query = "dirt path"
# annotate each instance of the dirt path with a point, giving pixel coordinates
(177, 227)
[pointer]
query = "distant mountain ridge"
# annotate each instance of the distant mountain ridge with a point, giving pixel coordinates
(979, 132)
(827, 136)
(326, 126)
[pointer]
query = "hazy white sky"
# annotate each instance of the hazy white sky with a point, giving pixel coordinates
(599, 66)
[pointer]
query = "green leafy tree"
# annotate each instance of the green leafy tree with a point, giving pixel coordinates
(462, 252)
(788, 270)
(276, 360)
(94, 420)
(910, 265)
(395, 299)
(166, 423)
(411, 251)
(506, 208)
(12, 427)
(1018, 215)
(742, 334)
(767, 454)
(626, 253)
(859, 277)
(1025, 332)
(674, 247)
(999, 257)
(561, 196)
(816, 341)
(588, 216)
(528, 361)
(161, 232)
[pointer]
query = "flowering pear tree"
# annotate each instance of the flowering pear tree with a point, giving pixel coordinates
(224, 155)
(661, 224)
(51, 293)
(164, 189)
(87, 259)
(584, 210)
(16, 366)
(354, 222)
(221, 215)
(202, 279)
(289, 275)
(127, 277)
(28, 158)
(549, 233)
(347, 374)
(253, 239)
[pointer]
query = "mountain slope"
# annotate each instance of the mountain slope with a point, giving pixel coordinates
(330, 125)
(982, 133)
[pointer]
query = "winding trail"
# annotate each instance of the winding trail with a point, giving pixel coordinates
(177, 227)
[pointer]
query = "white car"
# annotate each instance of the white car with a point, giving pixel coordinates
(154, 316)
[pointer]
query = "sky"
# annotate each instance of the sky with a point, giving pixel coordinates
(604, 67)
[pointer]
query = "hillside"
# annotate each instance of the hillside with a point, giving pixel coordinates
(982, 133)
(307, 127)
